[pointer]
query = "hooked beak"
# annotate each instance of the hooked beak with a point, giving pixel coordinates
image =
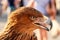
(47, 25)
(50, 23)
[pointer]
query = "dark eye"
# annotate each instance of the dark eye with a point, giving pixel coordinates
(33, 18)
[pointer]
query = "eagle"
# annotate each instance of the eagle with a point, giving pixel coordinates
(24, 24)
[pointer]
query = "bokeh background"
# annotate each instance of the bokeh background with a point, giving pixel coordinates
(3, 19)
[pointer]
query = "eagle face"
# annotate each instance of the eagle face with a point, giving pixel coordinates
(23, 23)
(27, 15)
(44, 22)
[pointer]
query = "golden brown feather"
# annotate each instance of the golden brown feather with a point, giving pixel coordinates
(20, 26)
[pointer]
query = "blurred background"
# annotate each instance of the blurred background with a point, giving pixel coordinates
(3, 19)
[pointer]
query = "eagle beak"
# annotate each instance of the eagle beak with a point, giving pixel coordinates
(47, 24)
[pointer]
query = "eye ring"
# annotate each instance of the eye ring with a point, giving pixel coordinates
(33, 18)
